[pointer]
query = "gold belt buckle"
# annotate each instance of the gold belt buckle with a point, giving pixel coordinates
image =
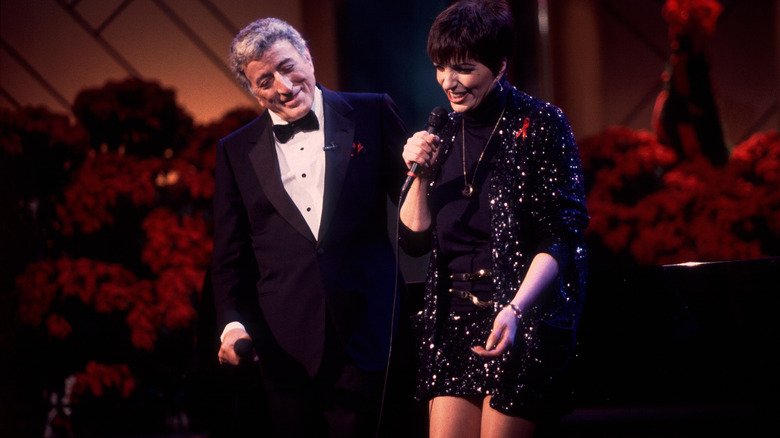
(466, 295)
(482, 273)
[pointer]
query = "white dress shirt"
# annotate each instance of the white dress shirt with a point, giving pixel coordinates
(302, 166)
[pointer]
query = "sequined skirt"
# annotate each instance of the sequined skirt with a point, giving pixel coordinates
(531, 380)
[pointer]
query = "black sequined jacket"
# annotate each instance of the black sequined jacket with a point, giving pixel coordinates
(537, 204)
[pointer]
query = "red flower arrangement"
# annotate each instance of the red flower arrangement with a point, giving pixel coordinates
(97, 378)
(125, 245)
(176, 242)
(100, 183)
(138, 116)
(692, 16)
(107, 288)
(684, 197)
(646, 204)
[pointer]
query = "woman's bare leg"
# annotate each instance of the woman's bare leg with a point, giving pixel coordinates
(451, 417)
(496, 424)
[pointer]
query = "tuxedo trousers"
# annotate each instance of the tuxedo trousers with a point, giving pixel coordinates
(340, 400)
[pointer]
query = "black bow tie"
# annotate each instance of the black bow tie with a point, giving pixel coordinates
(307, 123)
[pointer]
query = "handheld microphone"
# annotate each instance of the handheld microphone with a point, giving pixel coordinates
(244, 349)
(435, 121)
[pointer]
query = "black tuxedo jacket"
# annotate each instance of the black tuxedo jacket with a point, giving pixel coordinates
(273, 275)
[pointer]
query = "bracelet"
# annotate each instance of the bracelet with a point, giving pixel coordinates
(516, 309)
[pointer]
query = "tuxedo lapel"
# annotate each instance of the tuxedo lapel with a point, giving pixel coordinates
(262, 155)
(339, 134)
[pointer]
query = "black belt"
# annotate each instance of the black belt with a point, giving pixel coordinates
(482, 273)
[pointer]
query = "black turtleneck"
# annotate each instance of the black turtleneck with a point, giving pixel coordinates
(463, 224)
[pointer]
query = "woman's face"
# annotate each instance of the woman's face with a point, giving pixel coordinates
(466, 83)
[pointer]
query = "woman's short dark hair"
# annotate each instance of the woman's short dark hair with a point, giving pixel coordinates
(482, 30)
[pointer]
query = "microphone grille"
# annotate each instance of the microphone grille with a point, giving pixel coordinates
(437, 118)
(243, 348)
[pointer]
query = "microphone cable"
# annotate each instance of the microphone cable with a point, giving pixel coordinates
(436, 119)
(392, 314)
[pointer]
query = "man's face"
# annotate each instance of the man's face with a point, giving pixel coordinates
(283, 81)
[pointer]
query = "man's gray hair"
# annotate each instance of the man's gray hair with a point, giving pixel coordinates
(251, 43)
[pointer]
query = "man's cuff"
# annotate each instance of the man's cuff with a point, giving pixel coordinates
(231, 326)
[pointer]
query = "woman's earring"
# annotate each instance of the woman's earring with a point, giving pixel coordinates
(500, 87)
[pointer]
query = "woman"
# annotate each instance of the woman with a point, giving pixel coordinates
(501, 208)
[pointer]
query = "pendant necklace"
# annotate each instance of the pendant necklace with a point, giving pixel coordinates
(468, 188)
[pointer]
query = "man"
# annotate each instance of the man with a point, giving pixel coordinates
(303, 266)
